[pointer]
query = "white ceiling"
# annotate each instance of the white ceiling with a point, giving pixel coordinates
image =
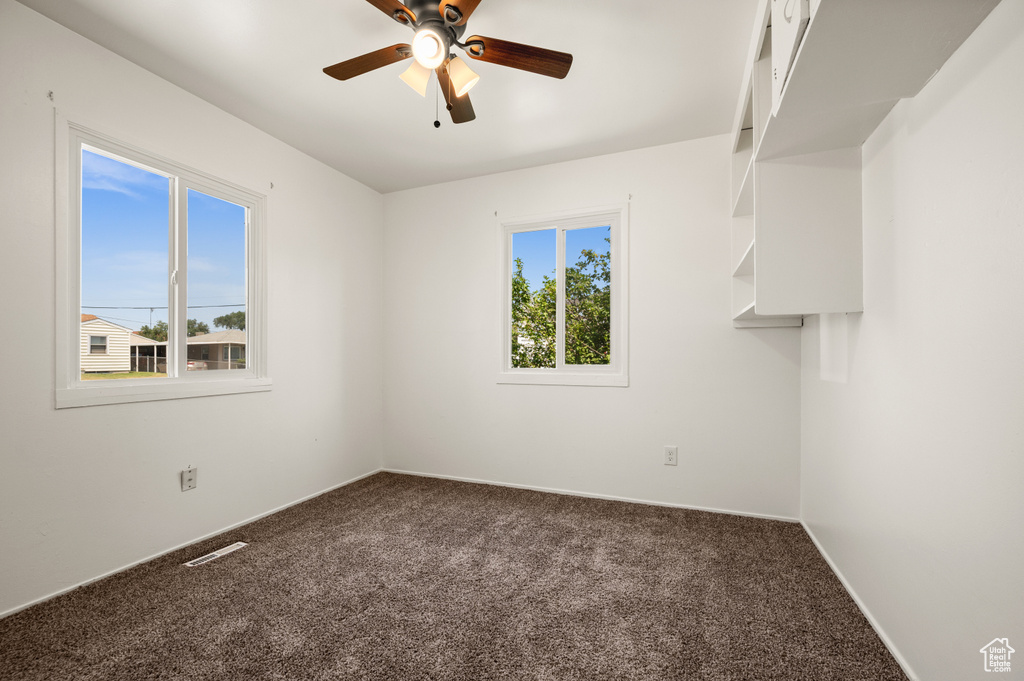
(645, 72)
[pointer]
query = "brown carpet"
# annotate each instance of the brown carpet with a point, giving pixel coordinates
(398, 577)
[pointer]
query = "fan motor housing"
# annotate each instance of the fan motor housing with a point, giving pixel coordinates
(428, 14)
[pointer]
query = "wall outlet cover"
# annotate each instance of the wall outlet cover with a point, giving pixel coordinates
(188, 479)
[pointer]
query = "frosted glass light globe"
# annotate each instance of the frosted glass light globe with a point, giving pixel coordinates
(463, 77)
(417, 77)
(429, 48)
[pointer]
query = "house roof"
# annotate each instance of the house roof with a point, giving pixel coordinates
(91, 318)
(233, 336)
(136, 339)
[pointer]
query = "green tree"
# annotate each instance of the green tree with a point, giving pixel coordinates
(232, 320)
(157, 332)
(587, 314)
(196, 327)
(533, 321)
(588, 309)
(521, 343)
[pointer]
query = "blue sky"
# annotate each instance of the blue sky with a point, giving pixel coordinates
(537, 250)
(125, 216)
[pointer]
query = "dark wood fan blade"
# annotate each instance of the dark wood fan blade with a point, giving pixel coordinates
(464, 7)
(369, 61)
(461, 108)
(390, 7)
(518, 56)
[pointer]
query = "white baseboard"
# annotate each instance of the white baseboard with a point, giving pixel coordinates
(233, 526)
(863, 608)
(607, 497)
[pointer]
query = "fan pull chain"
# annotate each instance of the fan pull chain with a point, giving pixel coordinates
(437, 116)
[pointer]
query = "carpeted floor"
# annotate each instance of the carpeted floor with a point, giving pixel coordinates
(401, 578)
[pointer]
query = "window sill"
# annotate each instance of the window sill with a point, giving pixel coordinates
(93, 395)
(551, 377)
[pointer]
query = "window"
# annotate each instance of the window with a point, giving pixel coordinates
(97, 345)
(564, 299)
(232, 353)
(166, 251)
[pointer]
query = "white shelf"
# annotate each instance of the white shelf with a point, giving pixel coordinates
(744, 204)
(807, 228)
(856, 60)
(745, 124)
(742, 174)
(745, 267)
(800, 185)
(748, 318)
(744, 112)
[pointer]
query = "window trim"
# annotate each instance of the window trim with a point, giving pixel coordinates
(616, 373)
(70, 390)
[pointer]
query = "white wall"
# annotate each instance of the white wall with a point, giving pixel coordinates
(87, 491)
(913, 469)
(729, 399)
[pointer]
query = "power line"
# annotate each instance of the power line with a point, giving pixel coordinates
(122, 319)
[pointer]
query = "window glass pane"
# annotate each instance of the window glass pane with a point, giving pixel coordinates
(588, 296)
(216, 282)
(125, 217)
(534, 299)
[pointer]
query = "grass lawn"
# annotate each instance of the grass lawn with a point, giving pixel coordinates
(127, 374)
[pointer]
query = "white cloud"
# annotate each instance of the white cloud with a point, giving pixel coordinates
(106, 174)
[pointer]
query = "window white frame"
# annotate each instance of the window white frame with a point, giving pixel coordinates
(616, 373)
(70, 390)
(93, 344)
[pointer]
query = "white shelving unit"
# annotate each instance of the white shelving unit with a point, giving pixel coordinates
(797, 226)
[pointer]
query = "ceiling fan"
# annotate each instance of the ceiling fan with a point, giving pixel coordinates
(438, 27)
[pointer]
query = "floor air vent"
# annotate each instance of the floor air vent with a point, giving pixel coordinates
(216, 554)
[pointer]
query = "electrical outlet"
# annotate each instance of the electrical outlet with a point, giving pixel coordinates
(188, 479)
(671, 455)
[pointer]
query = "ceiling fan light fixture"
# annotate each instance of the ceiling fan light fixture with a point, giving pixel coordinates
(438, 27)
(429, 48)
(463, 77)
(417, 76)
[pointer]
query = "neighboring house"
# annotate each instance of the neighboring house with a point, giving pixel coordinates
(104, 346)
(148, 354)
(219, 350)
